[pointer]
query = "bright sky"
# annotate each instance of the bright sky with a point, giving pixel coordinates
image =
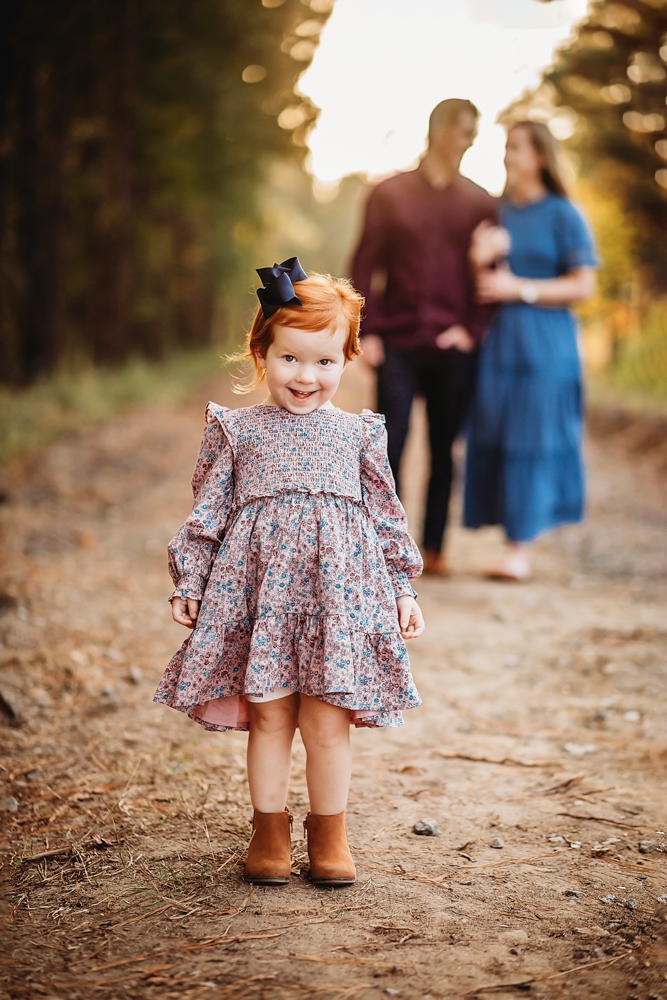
(382, 65)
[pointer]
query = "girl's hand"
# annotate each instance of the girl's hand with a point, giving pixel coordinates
(498, 286)
(410, 618)
(184, 611)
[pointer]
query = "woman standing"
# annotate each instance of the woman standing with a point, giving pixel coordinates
(524, 468)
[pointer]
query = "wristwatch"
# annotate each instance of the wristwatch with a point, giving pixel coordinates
(528, 293)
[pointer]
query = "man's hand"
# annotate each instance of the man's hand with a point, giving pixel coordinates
(373, 349)
(456, 337)
(410, 618)
(184, 611)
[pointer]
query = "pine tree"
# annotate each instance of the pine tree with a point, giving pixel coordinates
(134, 139)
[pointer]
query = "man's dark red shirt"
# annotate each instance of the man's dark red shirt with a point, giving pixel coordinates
(418, 237)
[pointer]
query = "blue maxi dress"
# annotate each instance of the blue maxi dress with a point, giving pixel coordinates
(524, 467)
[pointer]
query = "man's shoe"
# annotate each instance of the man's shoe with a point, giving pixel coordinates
(435, 564)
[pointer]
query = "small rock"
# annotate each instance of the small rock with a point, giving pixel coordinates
(115, 655)
(498, 843)
(662, 899)
(9, 804)
(9, 706)
(134, 674)
(631, 904)
(574, 892)
(392, 993)
(632, 716)
(426, 827)
(555, 838)
(607, 899)
(516, 951)
(579, 749)
(597, 953)
(647, 846)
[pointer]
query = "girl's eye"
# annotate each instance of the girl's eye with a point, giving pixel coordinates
(289, 357)
(325, 361)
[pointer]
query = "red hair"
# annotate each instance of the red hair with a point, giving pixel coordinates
(326, 302)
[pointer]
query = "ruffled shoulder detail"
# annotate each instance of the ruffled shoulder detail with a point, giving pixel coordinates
(216, 412)
(371, 418)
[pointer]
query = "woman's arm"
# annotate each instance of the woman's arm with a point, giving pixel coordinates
(501, 285)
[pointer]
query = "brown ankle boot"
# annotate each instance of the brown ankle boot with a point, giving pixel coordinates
(330, 859)
(269, 853)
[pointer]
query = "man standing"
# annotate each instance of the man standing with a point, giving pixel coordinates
(422, 325)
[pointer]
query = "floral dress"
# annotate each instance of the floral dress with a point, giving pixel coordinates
(297, 548)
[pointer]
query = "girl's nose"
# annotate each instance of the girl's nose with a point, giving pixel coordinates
(305, 376)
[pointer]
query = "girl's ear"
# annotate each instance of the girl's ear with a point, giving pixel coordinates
(259, 358)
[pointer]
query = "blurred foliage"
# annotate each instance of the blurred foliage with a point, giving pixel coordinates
(135, 136)
(63, 403)
(642, 361)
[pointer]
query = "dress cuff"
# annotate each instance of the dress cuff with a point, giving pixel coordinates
(401, 583)
(190, 585)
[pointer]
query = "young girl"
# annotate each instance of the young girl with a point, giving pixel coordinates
(293, 571)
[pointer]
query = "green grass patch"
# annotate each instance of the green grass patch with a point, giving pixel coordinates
(642, 366)
(69, 400)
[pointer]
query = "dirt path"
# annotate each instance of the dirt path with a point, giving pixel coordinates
(540, 750)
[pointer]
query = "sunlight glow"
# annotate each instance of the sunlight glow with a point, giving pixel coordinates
(382, 65)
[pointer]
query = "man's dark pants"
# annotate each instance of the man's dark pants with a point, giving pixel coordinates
(446, 380)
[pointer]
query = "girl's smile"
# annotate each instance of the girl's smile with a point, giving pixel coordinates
(304, 367)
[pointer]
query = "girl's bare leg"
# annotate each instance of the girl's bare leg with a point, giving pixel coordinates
(272, 728)
(325, 731)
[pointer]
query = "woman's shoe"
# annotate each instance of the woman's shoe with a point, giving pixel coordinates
(269, 854)
(516, 569)
(329, 852)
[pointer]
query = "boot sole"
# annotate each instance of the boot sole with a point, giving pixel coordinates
(333, 882)
(266, 881)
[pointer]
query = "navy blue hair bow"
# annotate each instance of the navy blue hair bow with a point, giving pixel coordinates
(278, 284)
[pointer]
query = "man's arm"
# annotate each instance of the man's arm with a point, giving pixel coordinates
(369, 256)
(480, 315)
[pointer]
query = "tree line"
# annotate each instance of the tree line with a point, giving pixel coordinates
(607, 88)
(134, 138)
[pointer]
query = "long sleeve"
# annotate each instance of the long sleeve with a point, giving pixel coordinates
(369, 256)
(194, 547)
(481, 315)
(401, 554)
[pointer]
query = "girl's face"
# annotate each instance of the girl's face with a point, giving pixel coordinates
(304, 367)
(522, 161)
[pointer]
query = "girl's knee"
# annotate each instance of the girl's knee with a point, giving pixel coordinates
(324, 726)
(274, 716)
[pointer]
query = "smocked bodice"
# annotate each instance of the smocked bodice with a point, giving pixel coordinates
(276, 451)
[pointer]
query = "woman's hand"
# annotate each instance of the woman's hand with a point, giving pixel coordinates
(410, 618)
(498, 286)
(487, 245)
(184, 611)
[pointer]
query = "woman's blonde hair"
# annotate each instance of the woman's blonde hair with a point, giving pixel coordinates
(326, 302)
(548, 149)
